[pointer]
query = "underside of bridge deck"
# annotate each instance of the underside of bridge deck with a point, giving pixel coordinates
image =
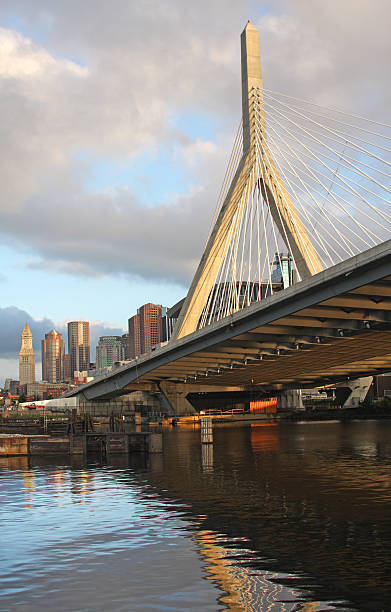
(329, 328)
(297, 353)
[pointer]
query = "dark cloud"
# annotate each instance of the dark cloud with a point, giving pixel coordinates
(12, 322)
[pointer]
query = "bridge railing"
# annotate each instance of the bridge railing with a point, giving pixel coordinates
(217, 411)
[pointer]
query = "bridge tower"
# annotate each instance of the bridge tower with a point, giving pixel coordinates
(255, 169)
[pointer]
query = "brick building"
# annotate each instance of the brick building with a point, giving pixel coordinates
(150, 326)
(134, 336)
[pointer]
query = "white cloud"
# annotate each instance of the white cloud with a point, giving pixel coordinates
(20, 59)
(333, 53)
(116, 101)
(64, 267)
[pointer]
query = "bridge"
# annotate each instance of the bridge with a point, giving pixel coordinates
(306, 190)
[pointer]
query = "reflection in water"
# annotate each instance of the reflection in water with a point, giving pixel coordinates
(29, 485)
(245, 588)
(14, 463)
(307, 500)
(282, 518)
(82, 486)
(59, 481)
(207, 457)
(264, 437)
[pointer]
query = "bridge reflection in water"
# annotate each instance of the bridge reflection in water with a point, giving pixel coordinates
(285, 514)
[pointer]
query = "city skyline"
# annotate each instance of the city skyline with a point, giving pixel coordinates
(147, 167)
(73, 350)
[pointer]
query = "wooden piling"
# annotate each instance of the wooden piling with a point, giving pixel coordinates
(206, 430)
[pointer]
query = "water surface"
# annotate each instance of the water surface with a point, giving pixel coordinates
(269, 517)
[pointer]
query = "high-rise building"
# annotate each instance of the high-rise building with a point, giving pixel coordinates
(150, 326)
(168, 323)
(67, 367)
(108, 350)
(125, 346)
(283, 271)
(79, 345)
(146, 330)
(26, 358)
(53, 351)
(134, 336)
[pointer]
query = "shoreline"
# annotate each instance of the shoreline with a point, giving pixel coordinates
(340, 414)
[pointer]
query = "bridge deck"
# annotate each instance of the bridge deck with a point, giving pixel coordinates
(334, 325)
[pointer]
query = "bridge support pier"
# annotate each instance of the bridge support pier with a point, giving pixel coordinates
(355, 391)
(290, 399)
(176, 397)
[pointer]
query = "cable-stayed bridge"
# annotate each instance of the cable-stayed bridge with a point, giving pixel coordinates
(294, 286)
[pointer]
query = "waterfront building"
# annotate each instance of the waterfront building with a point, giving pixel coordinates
(43, 390)
(108, 350)
(79, 345)
(134, 336)
(150, 326)
(26, 358)
(53, 352)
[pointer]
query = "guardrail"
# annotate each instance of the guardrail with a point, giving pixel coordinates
(218, 412)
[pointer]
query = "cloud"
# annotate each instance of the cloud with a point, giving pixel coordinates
(64, 267)
(21, 59)
(334, 57)
(81, 80)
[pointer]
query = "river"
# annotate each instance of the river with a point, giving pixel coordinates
(274, 517)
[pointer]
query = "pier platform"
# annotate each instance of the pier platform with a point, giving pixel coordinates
(19, 445)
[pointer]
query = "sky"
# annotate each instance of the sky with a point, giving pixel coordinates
(118, 119)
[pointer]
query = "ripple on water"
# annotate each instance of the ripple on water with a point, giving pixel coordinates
(273, 519)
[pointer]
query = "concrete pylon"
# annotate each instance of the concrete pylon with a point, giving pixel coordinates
(290, 399)
(355, 391)
(175, 398)
(250, 172)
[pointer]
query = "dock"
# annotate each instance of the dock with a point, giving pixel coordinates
(108, 443)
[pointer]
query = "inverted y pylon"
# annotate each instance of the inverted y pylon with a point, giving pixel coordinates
(256, 168)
